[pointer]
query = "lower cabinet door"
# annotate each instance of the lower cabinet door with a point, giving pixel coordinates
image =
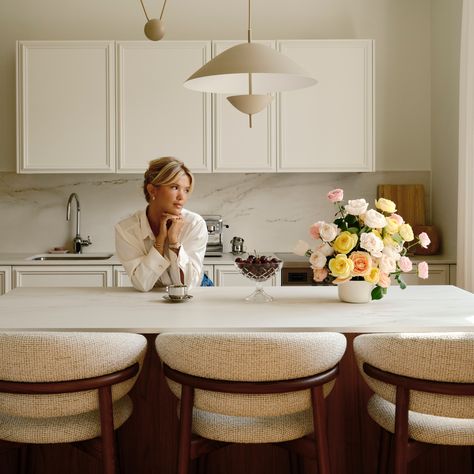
(5, 279)
(438, 275)
(62, 276)
(121, 279)
(228, 275)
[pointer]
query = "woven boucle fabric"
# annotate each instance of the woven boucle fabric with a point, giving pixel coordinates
(445, 357)
(251, 357)
(60, 429)
(425, 428)
(52, 357)
(271, 429)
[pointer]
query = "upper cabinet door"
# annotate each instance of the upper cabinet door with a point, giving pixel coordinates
(157, 115)
(65, 107)
(329, 126)
(238, 148)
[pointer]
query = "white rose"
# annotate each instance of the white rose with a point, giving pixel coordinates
(391, 252)
(328, 232)
(356, 207)
(301, 248)
(325, 249)
(370, 242)
(374, 219)
(317, 260)
(387, 264)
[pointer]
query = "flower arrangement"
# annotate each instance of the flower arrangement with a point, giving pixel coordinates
(363, 244)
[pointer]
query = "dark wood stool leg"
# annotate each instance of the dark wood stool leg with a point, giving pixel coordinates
(320, 431)
(23, 457)
(384, 452)
(185, 427)
(472, 459)
(295, 466)
(107, 430)
(401, 431)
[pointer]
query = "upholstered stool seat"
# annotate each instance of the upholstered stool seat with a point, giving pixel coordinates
(67, 387)
(425, 428)
(251, 388)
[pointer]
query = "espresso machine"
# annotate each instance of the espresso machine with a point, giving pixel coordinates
(215, 227)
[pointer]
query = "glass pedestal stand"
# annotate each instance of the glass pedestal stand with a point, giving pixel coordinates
(259, 296)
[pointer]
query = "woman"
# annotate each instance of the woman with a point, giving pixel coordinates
(164, 244)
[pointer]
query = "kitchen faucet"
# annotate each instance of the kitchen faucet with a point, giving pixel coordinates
(78, 242)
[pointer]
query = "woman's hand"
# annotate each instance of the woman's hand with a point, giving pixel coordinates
(174, 230)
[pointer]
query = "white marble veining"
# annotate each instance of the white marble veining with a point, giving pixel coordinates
(270, 211)
(415, 309)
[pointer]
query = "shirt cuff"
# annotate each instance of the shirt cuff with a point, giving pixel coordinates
(156, 262)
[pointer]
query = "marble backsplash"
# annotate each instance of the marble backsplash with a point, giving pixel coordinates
(270, 211)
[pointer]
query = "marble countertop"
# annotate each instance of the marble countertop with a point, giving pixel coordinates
(415, 309)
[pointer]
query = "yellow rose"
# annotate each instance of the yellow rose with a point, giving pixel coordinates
(388, 241)
(345, 242)
(392, 226)
(385, 205)
(341, 266)
(373, 276)
(406, 232)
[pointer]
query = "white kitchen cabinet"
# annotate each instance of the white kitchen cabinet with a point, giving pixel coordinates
(156, 115)
(121, 279)
(236, 147)
(438, 275)
(329, 126)
(97, 276)
(65, 107)
(452, 275)
(5, 279)
(228, 275)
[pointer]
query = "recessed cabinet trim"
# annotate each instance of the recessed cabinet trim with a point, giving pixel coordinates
(65, 107)
(5, 279)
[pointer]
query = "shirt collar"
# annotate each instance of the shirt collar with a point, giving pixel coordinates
(145, 226)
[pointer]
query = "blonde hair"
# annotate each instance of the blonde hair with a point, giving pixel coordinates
(164, 171)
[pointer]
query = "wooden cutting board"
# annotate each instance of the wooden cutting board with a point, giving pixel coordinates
(409, 198)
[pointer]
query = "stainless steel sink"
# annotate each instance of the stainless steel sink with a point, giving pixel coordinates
(71, 256)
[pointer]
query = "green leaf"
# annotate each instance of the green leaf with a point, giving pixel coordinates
(350, 219)
(353, 230)
(377, 293)
(397, 238)
(402, 284)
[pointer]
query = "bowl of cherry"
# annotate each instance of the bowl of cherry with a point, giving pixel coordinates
(258, 268)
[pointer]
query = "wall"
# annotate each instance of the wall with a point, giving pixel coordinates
(446, 37)
(269, 211)
(31, 205)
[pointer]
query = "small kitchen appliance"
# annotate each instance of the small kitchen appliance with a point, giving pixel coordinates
(215, 227)
(237, 245)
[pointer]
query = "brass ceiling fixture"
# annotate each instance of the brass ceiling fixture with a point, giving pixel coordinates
(252, 71)
(154, 28)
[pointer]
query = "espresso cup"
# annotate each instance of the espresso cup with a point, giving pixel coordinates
(177, 292)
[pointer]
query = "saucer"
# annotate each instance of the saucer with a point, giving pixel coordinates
(171, 300)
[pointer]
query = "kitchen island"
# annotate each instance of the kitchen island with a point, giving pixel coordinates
(148, 439)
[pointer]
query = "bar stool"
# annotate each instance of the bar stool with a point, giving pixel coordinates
(67, 387)
(424, 391)
(251, 388)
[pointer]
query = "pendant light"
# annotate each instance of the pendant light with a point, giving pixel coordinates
(251, 71)
(154, 28)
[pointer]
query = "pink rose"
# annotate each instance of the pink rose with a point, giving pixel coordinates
(336, 195)
(384, 280)
(320, 274)
(398, 219)
(315, 229)
(405, 264)
(423, 270)
(424, 240)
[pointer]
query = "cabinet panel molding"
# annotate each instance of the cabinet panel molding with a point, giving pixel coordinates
(5, 279)
(65, 107)
(62, 276)
(156, 115)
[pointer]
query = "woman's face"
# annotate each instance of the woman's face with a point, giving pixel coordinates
(170, 198)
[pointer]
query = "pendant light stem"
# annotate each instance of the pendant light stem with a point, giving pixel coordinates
(163, 9)
(249, 27)
(144, 11)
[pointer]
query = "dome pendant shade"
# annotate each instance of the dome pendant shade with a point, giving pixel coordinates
(228, 72)
(250, 104)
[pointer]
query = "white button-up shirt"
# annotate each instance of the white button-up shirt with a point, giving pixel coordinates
(146, 267)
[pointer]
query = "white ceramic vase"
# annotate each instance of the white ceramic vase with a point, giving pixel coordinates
(355, 291)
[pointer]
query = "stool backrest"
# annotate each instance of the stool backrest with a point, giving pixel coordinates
(251, 357)
(58, 357)
(441, 357)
